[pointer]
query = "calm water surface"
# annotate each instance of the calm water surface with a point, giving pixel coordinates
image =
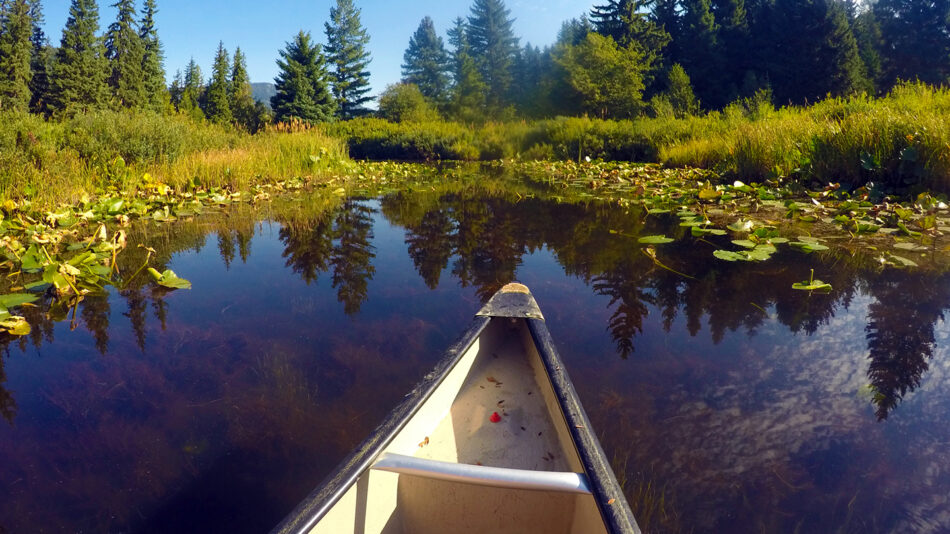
(728, 401)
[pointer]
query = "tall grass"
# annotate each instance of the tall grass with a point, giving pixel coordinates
(899, 142)
(59, 161)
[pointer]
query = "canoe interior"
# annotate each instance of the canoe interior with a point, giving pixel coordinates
(500, 372)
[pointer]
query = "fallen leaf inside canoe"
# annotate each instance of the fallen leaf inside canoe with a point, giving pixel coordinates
(494, 417)
(424, 442)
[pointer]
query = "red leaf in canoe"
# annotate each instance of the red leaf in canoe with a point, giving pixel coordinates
(494, 417)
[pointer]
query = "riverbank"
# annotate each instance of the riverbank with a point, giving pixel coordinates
(900, 143)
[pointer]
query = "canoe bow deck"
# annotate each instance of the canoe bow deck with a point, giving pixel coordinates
(493, 440)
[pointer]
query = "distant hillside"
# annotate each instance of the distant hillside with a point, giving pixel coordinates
(263, 91)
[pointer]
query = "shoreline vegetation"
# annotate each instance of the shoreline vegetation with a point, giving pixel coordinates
(898, 144)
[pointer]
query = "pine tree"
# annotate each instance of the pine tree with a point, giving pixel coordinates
(699, 43)
(302, 84)
(192, 92)
(734, 58)
(153, 71)
(177, 89)
(80, 68)
(867, 33)
(239, 92)
(348, 58)
(41, 61)
(16, 51)
(493, 46)
(916, 36)
(468, 90)
(426, 62)
(217, 106)
(125, 52)
(814, 52)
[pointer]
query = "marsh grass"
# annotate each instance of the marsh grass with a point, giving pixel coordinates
(52, 162)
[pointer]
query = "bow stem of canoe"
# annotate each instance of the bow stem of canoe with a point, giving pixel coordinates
(493, 440)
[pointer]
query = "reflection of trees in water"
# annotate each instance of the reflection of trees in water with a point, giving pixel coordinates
(341, 242)
(900, 334)
(489, 236)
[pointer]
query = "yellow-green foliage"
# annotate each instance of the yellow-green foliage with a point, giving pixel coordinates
(898, 141)
(58, 161)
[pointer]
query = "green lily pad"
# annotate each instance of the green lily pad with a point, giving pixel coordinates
(15, 299)
(807, 247)
(169, 279)
(655, 240)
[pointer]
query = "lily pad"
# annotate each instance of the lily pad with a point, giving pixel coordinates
(169, 279)
(655, 240)
(807, 247)
(15, 299)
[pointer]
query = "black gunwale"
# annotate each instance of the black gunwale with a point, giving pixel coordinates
(613, 505)
(309, 512)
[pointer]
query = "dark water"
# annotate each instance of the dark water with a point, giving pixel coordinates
(728, 401)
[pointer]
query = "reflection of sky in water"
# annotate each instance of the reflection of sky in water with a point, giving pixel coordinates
(260, 382)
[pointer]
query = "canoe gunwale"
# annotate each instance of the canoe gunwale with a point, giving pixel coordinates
(309, 512)
(614, 509)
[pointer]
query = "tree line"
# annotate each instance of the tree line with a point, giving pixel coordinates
(629, 57)
(621, 59)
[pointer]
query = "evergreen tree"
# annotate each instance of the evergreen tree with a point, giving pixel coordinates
(574, 31)
(814, 52)
(700, 51)
(16, 51)
(916, 36)
(493, 46)
(239, 92)
(867, 33)
(125, 52)
(527, 86)
(153, 71)
(217, 105)
(468, 90)
(80, 69)
(346, 52)
(192, 92)
(734, 58)
(177, 89)
(302, 88)
(426, 62)
(41, 61)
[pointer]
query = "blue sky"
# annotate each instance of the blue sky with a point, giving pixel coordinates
(192, 28)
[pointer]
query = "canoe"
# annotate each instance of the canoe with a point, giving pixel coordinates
(494, 439)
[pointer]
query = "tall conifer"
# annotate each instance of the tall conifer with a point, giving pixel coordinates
(916, 37)
(192, 92)
(302, 89)
(217, 101)
(41, 62)
(467, 97)
(699, 42)
(125, 52)
(79, 70)
(493, 46)
(153, 71)
(239, 91)
(426, 62)
(348, 58)
(16, 51)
